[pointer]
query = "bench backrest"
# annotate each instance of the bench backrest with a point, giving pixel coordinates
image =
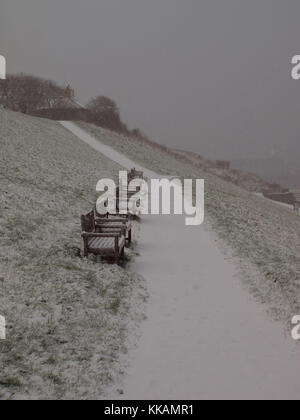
(88, 222)
(135, 174)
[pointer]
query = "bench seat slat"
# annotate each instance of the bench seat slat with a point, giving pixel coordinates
(104, 243)
(110, 240)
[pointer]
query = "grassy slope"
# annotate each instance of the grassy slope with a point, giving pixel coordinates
(66, 316)
(258, 231)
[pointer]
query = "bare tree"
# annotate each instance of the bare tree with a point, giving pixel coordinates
(24, 93)
(106, 113)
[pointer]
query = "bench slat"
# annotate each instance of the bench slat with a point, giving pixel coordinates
(104, 243)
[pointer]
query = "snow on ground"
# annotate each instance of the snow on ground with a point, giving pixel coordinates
(257, 231)
(106, 150)
(67, 317)
(279, 203)
(204, 336)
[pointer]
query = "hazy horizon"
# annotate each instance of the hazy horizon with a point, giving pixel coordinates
(211, 77)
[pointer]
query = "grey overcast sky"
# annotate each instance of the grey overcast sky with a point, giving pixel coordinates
(211, 76)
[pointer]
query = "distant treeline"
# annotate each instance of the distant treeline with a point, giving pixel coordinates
(46, 99)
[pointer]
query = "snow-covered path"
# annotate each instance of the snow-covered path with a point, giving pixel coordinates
(204, 337)
(111, 153)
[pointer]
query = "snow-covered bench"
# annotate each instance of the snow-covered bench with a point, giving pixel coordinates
(102, 240)
(135, 174)
(114, 221)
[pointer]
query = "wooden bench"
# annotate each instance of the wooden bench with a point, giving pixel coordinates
(102, 240)
(114, 221)
(135, 174)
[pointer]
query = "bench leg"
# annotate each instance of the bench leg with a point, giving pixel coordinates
(85, 251)
(129, 237)
(117, 255)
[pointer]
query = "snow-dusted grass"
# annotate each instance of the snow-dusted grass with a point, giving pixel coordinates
(258, 231)
(67, 317)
